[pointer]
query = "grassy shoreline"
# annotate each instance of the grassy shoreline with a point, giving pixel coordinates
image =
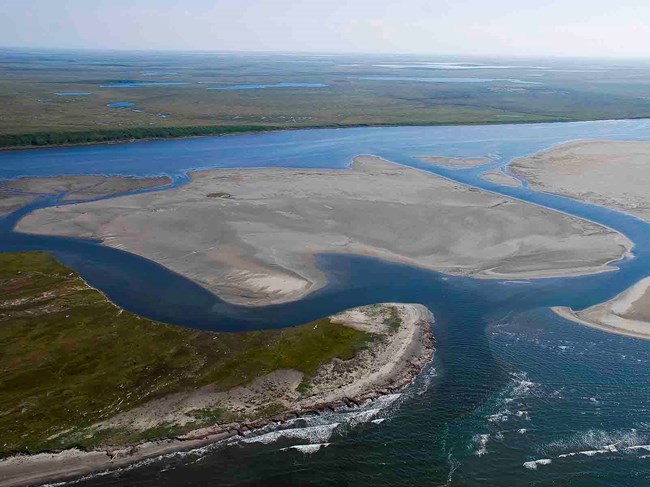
(37, 140)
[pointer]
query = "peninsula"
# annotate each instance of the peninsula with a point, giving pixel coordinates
(85, 385)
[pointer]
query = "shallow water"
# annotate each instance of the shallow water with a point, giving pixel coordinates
(142, 84)
(268, 86)
(449, 80)
(513, 387)
(121, 104)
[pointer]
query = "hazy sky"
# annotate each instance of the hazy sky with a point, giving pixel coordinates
(520, 27)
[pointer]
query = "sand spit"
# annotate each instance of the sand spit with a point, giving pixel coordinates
(250, 235)
(454, 162)
(388, 365)
(610, 173)
(626, 314)
(500, 177)
(19, 192)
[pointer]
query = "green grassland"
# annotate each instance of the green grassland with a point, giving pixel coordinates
(33, 114)
(70, 358)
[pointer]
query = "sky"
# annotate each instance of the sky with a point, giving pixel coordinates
(591, 28)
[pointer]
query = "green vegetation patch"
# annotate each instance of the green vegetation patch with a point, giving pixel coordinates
(393, 321)
(70, 358)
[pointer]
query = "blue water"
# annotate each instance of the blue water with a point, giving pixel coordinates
(73, 93)
(121, 104)
(267, 86)
(511, 383)
(142, 84)
(449, 80)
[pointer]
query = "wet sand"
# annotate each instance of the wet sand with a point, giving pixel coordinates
(390, 364)
(250, 235)
(626, 314)
(610, 173)
(19, 192)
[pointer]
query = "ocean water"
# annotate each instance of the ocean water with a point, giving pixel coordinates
(515, 395)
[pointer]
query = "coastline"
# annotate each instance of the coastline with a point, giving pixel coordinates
(401, 357)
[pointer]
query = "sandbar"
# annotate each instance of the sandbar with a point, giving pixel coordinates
(250, 235)
(626, 314)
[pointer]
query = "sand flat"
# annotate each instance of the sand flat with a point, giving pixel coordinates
(255, 241)
(611, 173)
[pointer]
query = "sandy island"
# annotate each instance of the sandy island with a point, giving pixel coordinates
(389, 364)
(250, 235)
(19, 192)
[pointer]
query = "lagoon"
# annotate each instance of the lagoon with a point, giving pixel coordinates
(512, 384)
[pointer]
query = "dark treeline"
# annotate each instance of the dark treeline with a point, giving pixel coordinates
(40, 139)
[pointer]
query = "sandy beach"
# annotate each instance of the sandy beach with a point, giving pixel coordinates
(250, 235)
(626, 314)
(389, 364)
(610, 173)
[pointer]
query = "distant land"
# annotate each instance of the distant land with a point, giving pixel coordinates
(85, 97)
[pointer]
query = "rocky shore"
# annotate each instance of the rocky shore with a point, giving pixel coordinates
(403, 344)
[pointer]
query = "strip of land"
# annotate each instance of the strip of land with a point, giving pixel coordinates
(610, 173)
(19, 192)
(455, 162)
(250, 235)
(500, 177)
(626, 314)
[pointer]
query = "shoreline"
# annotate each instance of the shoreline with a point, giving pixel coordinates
(415, 344)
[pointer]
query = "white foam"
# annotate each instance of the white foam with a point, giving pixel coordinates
(534, 464)
(363, 416)
(378, 421)
(522, 431)
(481, 441)
(307, 449)
(313, 434)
